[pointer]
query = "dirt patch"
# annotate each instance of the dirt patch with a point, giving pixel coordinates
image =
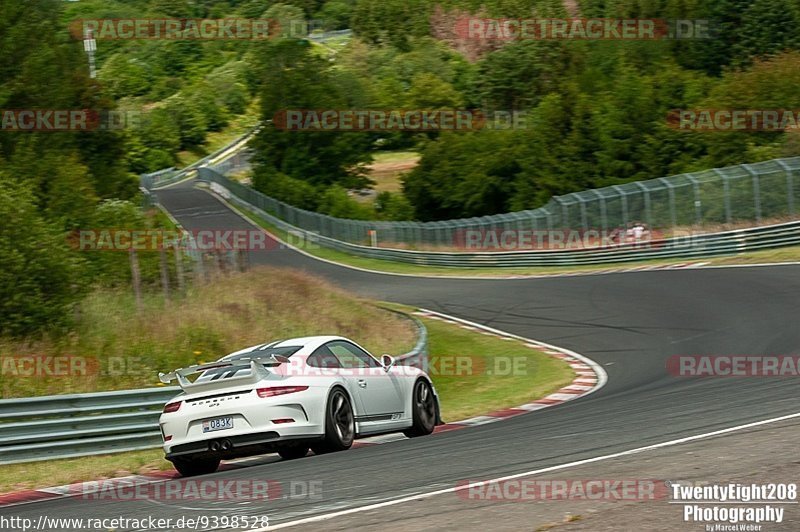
(387, 174)
(572, 7)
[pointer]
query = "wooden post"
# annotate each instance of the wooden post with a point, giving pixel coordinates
(164, 273)
(200, 266)
(136, 277)
(211, 266)
(219, 263)
(179, 267)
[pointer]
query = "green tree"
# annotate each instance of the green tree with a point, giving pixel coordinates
(320, 158)
(464, 174)
(335, 14)
(40, 281)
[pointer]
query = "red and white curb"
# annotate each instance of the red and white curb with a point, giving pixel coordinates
(589, 378)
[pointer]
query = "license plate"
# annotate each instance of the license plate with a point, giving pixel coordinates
(220, 423)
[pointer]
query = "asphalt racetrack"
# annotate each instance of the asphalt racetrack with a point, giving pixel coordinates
(629, 323)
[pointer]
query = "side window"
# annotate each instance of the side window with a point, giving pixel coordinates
(323, 358)
(351, 357)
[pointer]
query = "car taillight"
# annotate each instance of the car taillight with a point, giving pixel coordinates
(172, 407)
(279, 390)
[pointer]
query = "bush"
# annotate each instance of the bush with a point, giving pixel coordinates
(335, 202)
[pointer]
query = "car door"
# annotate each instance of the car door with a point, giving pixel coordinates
(323, 358)
(380, 392)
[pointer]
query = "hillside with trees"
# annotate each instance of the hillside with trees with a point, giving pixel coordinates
(596, 115)
(596, 110)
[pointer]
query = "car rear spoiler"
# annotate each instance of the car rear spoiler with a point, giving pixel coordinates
(257, 370)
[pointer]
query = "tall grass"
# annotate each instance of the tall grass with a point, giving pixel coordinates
(123, 349)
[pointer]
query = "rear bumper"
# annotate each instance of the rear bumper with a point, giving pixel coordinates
(254, 429)
(241, 445)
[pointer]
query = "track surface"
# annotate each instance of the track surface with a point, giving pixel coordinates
(629, 323)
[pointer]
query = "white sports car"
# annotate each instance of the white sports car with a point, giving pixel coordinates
(318, 393)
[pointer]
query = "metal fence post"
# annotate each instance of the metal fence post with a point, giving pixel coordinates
(698, 203)
(564, 211)
(623, 198)
(673, 216)
(756, 191)
(603, 213)
(584, 220)
(549, 216)
(647, 212)
(726, 191)
(789, 186)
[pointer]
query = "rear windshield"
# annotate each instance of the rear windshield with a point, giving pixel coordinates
(266, 352)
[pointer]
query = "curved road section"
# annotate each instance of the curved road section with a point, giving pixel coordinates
(629, 323)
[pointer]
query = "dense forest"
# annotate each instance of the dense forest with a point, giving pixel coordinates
(596, 114)
(596, 110)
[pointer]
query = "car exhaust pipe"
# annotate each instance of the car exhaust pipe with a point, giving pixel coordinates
(227, 445)
(214, 446)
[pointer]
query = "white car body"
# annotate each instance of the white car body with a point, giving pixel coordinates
(232, 390)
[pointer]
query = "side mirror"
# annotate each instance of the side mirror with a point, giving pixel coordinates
(387, 361)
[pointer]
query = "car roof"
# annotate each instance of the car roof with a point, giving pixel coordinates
(308, 341)
(307, 344)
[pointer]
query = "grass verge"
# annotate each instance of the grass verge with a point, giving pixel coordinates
(116, 347)
(466, 392)
(18, 477)
(534, 374)
(475, 374)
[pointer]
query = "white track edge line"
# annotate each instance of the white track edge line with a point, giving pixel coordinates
(671, 443)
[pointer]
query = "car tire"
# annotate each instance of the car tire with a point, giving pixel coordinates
(423, 410)
(340, 426)
(293, 453)
(191, 467)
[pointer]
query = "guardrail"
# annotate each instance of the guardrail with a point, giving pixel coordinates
(65, 426)
(748, 194)
(70, 426)
(693, 246)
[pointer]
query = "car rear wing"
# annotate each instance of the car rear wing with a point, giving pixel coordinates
(257, 372)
